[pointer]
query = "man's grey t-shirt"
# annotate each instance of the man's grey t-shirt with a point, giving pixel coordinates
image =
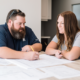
(75, 43)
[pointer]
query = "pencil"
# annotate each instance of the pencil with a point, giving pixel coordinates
(32, 48)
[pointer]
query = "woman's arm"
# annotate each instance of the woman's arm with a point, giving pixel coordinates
(73, 54)
(52, 50)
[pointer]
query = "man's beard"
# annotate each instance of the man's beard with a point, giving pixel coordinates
(16, 33)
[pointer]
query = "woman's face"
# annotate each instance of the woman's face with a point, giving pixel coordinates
(60, 24)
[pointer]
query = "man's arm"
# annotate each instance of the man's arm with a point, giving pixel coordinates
(36, 47)
(33, 41)
(8, 53)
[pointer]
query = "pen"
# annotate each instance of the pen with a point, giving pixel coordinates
(32, 48)
(59, 53)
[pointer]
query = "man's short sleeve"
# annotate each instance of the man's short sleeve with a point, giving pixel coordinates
(32, 37)
(55, 39)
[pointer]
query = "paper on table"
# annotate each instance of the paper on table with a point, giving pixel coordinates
(17, 76)
(4, 62)
(44, 60)
(15, 73)
(19, 62)
(5, 70)
(37, 73)
(61, 72)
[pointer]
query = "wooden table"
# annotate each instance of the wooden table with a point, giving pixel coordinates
(74, 65)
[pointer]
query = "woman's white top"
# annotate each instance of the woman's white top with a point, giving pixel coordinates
(75, 43)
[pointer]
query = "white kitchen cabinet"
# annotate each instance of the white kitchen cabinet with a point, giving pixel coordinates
(46, 10)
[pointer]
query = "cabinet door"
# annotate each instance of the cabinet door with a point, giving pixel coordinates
(49, 8)
(45, 10)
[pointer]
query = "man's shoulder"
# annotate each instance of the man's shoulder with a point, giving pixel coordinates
(29, 31)
(2, 28)
(2, 25)
(27, 28)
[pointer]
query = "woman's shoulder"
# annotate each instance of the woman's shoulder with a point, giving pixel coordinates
(55, 39)
(77, 40)
(77, 34)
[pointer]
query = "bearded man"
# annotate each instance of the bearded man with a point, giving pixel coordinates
(17, 40)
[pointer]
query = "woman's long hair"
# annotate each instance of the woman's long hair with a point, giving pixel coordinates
(70, 27)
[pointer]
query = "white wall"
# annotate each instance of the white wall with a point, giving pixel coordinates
(32, 9)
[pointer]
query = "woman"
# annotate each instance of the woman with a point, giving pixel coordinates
(66, 42)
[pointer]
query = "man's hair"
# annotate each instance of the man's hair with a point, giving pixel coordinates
(13, 13)
(70, 27)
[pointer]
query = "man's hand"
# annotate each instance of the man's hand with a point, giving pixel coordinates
(58, 54)
(31, 55)
(26, 48)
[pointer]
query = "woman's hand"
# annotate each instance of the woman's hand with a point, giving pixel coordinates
(58, 54)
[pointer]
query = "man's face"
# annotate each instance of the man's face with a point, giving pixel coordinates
(18, 28)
